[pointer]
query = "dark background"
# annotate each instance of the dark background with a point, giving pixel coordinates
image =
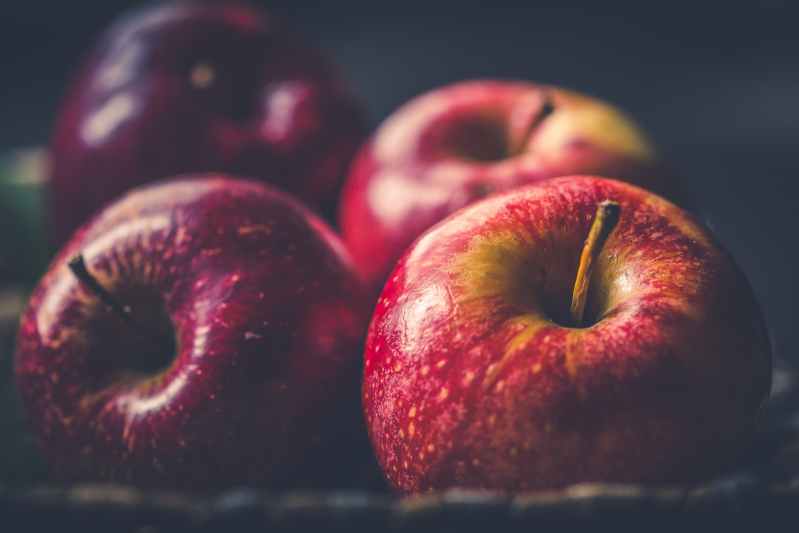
(717, 86)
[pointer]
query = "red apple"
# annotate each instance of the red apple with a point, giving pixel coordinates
(476, 376)
(194, 87)
(454, 145)
(210, 336)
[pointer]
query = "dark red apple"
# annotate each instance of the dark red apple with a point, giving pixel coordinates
(454, 145)
(194, 87)
(477, 376)
(208, 334)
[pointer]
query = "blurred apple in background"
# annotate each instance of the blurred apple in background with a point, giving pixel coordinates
(201, 86)
(479, 374)
(197, 334)
(454, 145)
(24, 251)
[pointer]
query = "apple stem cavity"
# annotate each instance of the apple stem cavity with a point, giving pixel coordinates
(546, 109)
(79, 269)
(607, 215)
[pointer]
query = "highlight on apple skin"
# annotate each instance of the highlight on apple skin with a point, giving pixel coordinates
(230, 355)
(475, 375)
(454, 145)
(185, 87)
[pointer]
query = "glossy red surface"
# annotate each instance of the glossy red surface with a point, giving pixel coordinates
(457, 144)
(268, 318)
(473, 380)
(196, 87)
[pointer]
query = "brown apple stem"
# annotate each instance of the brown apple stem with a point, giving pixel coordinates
(607, 215)
(546, 109)
(78, 267)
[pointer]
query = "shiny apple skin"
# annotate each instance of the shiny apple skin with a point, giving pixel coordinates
(469, 382)
(268, 317)
(200, 86)
(454, 145)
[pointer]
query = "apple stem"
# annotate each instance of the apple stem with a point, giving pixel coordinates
(607, 215)
(546, 109)
(78, 267)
